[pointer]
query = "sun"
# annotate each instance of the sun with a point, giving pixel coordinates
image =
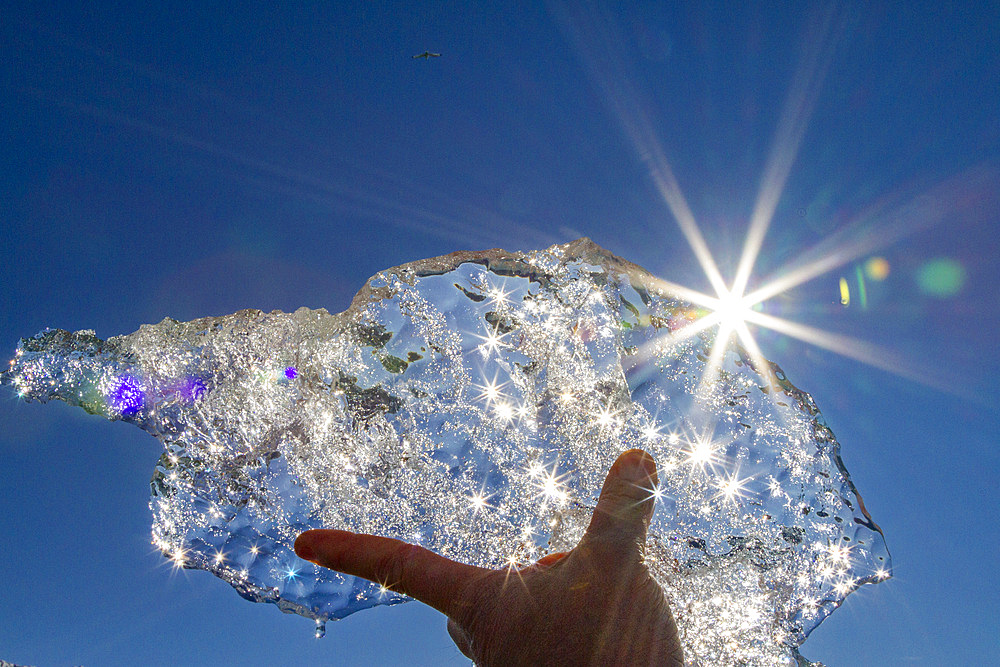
(731, 310)
(737, 307)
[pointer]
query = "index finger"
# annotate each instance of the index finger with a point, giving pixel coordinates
(401, 567)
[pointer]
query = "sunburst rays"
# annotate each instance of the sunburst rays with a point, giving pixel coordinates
(735, 306)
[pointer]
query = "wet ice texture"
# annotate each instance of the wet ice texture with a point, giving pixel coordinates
(474, 403)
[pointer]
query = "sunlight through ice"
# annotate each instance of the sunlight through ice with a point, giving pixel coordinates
(474, 403)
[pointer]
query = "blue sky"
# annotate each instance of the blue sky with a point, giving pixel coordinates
(191, 161)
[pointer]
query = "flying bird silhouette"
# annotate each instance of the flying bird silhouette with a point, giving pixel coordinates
(427, 54)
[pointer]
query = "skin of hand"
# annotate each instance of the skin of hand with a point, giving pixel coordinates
(595, 605)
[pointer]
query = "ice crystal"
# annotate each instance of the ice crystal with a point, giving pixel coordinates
(473, 404)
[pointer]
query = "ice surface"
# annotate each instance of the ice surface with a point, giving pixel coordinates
(474, 403)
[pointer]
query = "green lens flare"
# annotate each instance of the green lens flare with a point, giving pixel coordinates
(941, 277)
(862, 289)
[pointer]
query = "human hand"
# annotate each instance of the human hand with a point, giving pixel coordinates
(595, 605)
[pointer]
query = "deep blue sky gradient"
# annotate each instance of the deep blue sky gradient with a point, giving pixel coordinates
(187, 161)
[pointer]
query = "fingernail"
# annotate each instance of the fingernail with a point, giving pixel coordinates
(304, 550)
(637, 467)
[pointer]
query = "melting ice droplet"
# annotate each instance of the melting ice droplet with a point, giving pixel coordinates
(474, 403)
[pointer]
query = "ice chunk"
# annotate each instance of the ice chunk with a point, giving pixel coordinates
(473, 403)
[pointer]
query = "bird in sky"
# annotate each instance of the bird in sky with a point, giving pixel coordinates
(427, 54)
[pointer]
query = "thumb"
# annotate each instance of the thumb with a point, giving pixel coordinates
(625, 507)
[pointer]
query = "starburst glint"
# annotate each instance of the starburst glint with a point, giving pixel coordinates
(493, 341)
(732, 487)
(703, 453)
(734, 307)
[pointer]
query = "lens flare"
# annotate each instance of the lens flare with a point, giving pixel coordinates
(877, 268)
(126, 395)
(941, 278)
(845, 292)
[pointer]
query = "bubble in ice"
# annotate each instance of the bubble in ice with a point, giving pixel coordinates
(473, 404)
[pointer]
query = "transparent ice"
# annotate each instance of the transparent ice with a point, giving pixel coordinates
(474, 403)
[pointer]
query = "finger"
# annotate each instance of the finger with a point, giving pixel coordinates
(626, 505)
(401, 567)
